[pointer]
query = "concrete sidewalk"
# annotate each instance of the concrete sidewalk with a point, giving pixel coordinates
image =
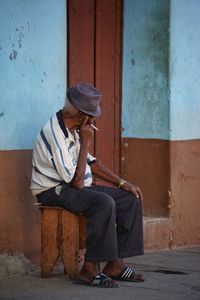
(171, 274)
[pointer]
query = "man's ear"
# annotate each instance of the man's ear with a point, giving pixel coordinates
(79, 114)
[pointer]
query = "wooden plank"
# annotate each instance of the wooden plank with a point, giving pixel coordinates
(118, 84)
(94, 55)
(105, 80)
(82, 232)
(70, 243)
(80, 41)
(49, 240)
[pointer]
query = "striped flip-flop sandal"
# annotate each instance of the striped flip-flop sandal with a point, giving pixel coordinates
(100, 280)
(129, 274)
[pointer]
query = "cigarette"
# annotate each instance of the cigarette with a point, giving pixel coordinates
(95, 127)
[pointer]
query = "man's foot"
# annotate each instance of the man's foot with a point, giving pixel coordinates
(89, 275)
(88, 271)
(118, 271)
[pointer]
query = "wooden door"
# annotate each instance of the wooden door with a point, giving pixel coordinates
(94, 55)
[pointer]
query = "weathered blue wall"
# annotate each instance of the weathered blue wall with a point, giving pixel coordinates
(145, 103)
(185, 69)
(32, 67)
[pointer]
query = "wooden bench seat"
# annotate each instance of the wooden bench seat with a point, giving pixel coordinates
(62, 235)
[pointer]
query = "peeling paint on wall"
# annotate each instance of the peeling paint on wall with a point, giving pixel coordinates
(33, 64)
(13, 55)
(18, 39)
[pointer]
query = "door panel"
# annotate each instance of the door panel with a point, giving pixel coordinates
(81, 41)
(94, 55)
(81, 44)
(104, 79)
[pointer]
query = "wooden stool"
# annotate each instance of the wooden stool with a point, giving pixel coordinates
(62, 235)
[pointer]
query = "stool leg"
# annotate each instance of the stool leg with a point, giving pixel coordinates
(82, 238)
(49, 240)
(70, 244)
(82, 231)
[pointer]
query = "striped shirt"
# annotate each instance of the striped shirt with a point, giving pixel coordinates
(55, 156)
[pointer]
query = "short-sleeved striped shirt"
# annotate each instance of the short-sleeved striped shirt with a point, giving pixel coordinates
(55, 156)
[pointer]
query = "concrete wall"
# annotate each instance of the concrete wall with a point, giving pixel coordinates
(185, 120)
(185, 70)
(32, 87)
(161, 106)
(145, 100)
(33, 72)
(145, 93)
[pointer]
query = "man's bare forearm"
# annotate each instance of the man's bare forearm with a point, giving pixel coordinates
(102, 172)
(78, 179)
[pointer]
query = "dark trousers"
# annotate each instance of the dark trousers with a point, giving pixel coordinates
(114, 219)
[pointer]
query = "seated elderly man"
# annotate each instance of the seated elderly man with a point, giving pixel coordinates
(62, 176)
